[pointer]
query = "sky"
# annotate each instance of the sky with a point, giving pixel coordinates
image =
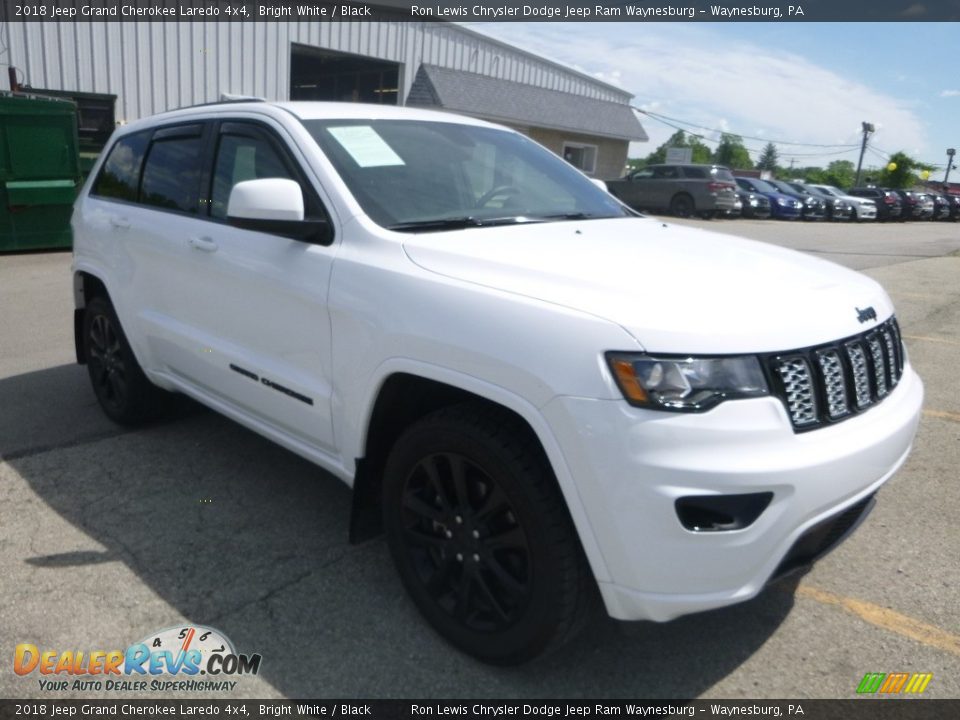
(799, 82)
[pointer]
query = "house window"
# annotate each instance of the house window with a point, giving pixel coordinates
(583, 157)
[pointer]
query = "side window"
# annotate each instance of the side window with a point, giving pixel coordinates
(120, 175)
(171, 175)
(665, 172)
(695, 172)
(644, 174)
(239, 158)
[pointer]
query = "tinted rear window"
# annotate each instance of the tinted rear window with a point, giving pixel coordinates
(722, 174)
(171, 177)
(120, 174)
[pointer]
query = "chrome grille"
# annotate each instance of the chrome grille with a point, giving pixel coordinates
(861, 374)
(892, 364)
(834, 383)
(829, 383)
(879, 372)
(797, 382)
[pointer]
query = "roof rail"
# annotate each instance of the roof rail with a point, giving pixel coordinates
(225, 99)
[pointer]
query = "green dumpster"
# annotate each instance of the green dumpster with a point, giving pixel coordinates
(39, 171)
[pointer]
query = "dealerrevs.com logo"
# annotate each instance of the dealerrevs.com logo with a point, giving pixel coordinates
(192, 659)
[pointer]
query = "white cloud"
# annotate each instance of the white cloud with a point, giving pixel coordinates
(694, 75)
(949, 93)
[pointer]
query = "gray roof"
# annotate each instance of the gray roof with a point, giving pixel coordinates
(518, 103)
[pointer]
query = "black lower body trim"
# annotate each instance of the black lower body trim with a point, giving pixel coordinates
(822, 538)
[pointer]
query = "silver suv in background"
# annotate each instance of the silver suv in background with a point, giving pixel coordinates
(863, 208)
(683, 190)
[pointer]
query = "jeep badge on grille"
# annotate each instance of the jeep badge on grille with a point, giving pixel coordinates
(866, 314)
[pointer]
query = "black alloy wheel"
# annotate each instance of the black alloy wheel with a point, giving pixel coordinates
(468, 549)
(481, 537)
(123, 391)
(107, 368)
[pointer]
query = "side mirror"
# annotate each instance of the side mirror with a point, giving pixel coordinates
(275, 206)
(599, 183)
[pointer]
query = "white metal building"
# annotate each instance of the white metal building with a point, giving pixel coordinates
(157, 66)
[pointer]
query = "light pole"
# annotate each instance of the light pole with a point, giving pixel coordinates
(950, 153)
(867, 129)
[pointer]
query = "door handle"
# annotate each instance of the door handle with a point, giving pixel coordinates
(121, 223)
(202, 243)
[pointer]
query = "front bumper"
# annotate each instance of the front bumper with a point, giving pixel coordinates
(631, 465)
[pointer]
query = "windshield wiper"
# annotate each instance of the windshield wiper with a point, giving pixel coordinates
(457, 223)
(566, 216)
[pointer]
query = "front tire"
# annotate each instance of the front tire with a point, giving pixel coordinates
(481, 537)
(123, 391)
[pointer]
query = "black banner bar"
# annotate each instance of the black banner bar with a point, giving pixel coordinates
(854, 709)
(482, 10)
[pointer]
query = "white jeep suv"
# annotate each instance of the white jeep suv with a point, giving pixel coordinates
(536, 393)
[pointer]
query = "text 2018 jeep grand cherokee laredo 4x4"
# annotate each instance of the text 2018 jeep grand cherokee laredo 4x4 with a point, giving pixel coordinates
(535, 392)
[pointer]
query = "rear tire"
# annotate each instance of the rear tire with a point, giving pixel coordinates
(682, 205)
(123, 391)
(481, 537)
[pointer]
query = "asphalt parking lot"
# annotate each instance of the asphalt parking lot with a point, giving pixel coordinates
(107, 534)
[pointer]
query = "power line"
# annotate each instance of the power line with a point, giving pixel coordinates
(665, 118)
(759, 151)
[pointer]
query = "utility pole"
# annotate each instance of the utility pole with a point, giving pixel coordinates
(950, 153)
(867, 129)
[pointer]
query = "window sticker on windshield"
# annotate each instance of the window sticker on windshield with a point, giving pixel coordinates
(365, 146)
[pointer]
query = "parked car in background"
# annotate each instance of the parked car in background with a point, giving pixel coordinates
(683, 190)
(889, 204)
(912, 207)
(814, 208)
(754, 205)
(784, 207)
(863, 208)
(941, 206)
(954, 201)
(926, 207)
(837, 209)
(736, 211)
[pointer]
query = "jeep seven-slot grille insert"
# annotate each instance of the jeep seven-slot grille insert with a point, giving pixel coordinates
(830, 383)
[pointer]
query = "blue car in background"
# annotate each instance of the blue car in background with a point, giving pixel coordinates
(782, 206)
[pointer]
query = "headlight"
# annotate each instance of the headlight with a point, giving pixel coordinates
(686, 384)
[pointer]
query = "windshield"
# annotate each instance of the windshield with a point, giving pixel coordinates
(421, 175)
(780, 186)
(763, 186)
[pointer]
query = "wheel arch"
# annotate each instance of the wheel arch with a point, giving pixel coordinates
(86, 286)
(405, 396)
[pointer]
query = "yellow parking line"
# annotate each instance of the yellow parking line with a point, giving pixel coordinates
(931, 339)
(943, 415)
(887, 619)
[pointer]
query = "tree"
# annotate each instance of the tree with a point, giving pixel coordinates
(768, 158)
(840, 173)
(732, 153)
(701, 153)
(905, 173)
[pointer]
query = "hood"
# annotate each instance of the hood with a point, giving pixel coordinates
(675, 289)
(774, 196)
